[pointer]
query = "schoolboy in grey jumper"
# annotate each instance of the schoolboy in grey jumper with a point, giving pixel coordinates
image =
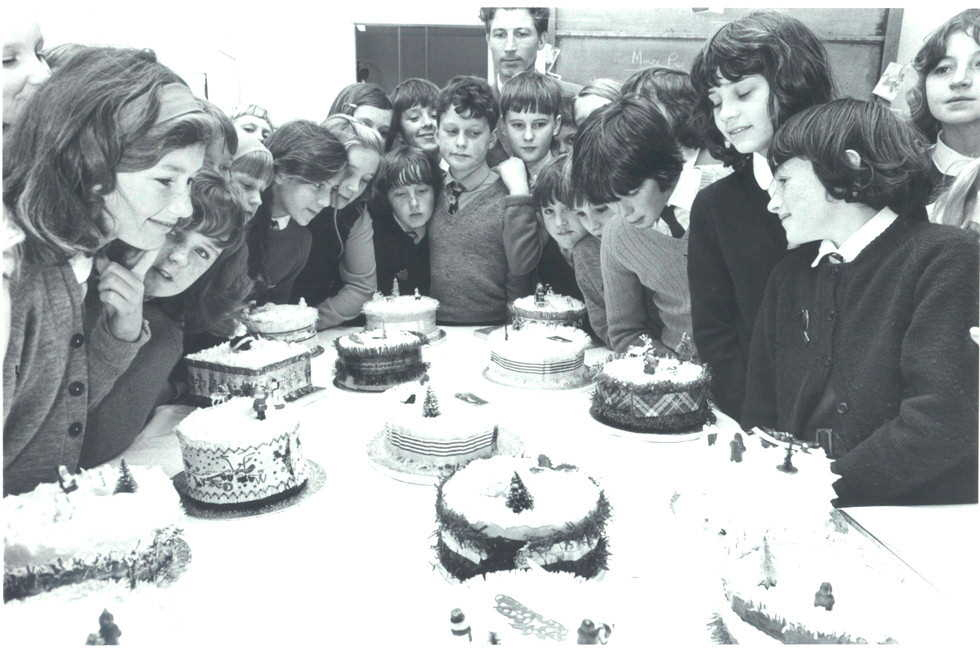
(625, 154)
(484, 243)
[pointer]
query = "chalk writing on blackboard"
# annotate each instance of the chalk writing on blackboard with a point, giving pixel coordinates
(640, 60)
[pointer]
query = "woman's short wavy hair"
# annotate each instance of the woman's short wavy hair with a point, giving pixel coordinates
(359, 94)
(932, 51)
(894, 168)
(780, 48)
(63, 156)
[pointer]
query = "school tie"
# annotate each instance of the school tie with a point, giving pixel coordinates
(676, 229)
(832, 258)
(455, 189)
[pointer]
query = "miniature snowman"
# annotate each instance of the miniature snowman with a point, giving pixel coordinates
(276, 394)
(539, 295)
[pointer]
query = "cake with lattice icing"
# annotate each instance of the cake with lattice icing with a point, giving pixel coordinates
(546, 307)
(286, 322)
(641, 392)
(233, 454)
(792, 568)
(505, 512)
(113, 522)
(377, 360)
(538, 356)
(402, 313)
(238, 367)
(431, 427)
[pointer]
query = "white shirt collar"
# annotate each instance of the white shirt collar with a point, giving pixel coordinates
(81, 265)
(761, 170)
(281, 221)
(947, 159)
(687, 186)
(857, 242)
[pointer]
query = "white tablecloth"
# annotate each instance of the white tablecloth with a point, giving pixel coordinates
(356, 559)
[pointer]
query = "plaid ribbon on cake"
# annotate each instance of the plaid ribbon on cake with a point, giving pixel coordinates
(652, 405)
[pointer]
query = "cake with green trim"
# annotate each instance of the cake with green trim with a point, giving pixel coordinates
(640, 392)
(108, 523)
(433, 428)
(377, 360)
(538, 356)
(242, 451)
(286, 322)
(402, 313)
(238, 367)
(546, 307)
(504, 512)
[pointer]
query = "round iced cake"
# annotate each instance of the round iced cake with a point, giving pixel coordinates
(673, 398)
(402, 313)
(560, 525)
(538, 355)
(376, 360)
(233, 457)
(556, 309)
(460, 432)
(288, 322)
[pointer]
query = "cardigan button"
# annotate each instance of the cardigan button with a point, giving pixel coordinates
(76, 388)
(831, 315)
(842, 408)
(74, 429)
(77, 340)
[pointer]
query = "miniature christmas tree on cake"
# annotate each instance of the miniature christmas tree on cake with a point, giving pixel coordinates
(519, 499)
(126, 483)
(394, 287)
(768, 569)
(430, 407)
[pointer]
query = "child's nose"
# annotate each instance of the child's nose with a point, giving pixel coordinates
(413, 202)
(528, 133)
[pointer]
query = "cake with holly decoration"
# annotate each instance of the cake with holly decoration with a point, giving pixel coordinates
(431, 427)
(792, 568)
(640, 391)
(108, 523)
(238, 366)
(538, 356)
(377, 360)
(504, 512)
(546, 307)
(402, 313)
(242, 451)
(286, 322)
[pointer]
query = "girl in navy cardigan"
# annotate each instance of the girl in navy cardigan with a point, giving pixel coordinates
(751, 76)
(862, 341)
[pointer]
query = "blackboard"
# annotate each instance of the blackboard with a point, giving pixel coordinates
(613, 43)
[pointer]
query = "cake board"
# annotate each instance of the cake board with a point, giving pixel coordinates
(316, 478)
(417, 473)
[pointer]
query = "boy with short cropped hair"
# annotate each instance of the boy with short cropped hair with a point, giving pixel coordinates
(484, 243)
(530, 107)
(625, 154)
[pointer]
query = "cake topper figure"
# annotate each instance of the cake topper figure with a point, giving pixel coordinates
(548, 290)
(66, 480)
(539, 295)
(824, 597)
(394, 288)
(787, 465)
(712, 438)
(738, 447)
(276, 394)
(259, 402)
(458, 625)
(418, 297)
(650, 363)
(590, 634)
(108, 634)
(219, 395)
(685, 348)
(377, 295)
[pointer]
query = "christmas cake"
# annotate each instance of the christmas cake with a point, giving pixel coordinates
(641, 392)
(431, 427)
(792, 568)
(111, 522)
(236, 368)
(286, 322)
(377, 360)
(241, 451)
(402, 313)
(539, 356)
(504, 512)
(546, 307)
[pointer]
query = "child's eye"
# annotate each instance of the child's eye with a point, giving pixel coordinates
(166, 182)
(422, 190)
(548, 211)
(204, 254)
(9, 60)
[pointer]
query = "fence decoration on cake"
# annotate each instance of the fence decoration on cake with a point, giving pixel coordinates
(538, 368)
(206, 378)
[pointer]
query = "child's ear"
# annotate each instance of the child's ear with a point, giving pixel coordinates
(853, 158)
(278, 178)
(493, 139)
(557, 129)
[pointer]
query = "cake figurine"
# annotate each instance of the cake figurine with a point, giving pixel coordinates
(394, 288)
(458, 625)
(259, 405)
(787, 465)
(738, 447)
(66, 481)
(546, 307)
(276, 399)
(418, 297)
(824, 597)
(590, 634)
(108, 634)
(221, 394)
